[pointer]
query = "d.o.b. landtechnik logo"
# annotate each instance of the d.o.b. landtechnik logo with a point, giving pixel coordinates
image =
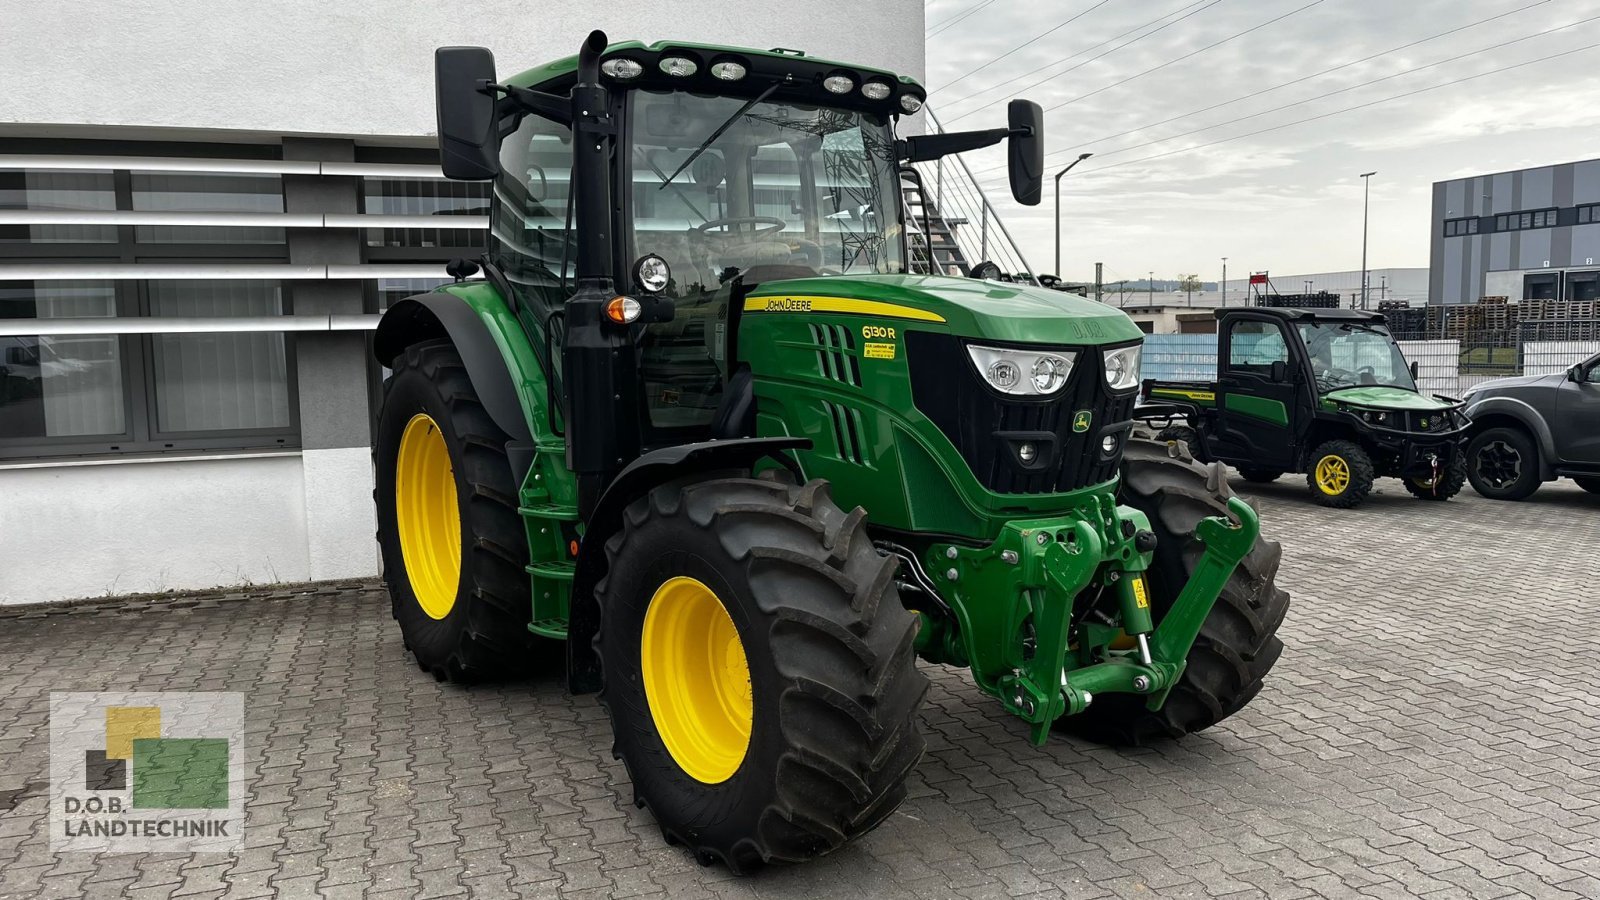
(146, 773)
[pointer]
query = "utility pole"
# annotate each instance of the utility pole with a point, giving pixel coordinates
(1366, 194)
(1099, 271)
(1224, 281)
(1151, 284)
(1081, 158)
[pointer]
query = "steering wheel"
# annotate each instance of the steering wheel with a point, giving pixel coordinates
(772, 223)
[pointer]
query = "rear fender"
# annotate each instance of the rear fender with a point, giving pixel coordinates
(643, 474)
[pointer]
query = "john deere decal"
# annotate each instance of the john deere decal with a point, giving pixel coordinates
(1081, 420)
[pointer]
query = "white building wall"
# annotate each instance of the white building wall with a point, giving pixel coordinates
(361, 67)
(124, 527)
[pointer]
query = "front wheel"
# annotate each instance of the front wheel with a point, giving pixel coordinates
(1340, 474)
(1443, 484)
(1503, 464)
(759, 669)
(1238, 643)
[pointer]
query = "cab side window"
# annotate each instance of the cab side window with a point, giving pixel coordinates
(1254, 346)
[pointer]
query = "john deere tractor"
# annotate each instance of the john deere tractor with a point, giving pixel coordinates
(700, 433)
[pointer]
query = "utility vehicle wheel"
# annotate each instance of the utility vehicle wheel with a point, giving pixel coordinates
(1261, 476)
(759, 669)
(1589, 483)
(1340, 474)
(1444, 484)
(1183, 433)
(1238, 642)
(452, 542)
(1503, 464)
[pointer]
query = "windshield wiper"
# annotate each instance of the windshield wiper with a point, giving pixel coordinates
(712, 139)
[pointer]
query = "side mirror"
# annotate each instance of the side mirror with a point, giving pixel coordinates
(1576, 374)
(1413, 370)
(1280, 371)
(469, 129)
(1025, 151)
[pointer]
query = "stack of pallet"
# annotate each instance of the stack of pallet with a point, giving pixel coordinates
(1405, 320)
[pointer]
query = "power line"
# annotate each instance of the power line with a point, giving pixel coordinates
(1336, 112)
(1188, 55)
(1303, 78)
(942, 26)
(1208, 5)
(1325, 95)
(1025, 44)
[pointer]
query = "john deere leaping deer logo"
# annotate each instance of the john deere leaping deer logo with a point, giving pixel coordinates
(1081, 420)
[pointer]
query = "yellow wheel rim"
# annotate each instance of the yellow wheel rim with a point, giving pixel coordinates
(696, 680)
(1333, 474)
(428, 519)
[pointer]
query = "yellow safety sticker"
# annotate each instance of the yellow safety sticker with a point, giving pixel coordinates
(878, 351)
(846, 305)
(1141, 597)
(1192, 395)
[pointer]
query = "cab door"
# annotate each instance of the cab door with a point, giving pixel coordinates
(1256, 393)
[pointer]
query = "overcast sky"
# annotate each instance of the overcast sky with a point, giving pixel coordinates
(1288, 200)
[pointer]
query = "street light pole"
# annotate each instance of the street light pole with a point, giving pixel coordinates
(1224, 281)
(1366, 194)
(1081, 158)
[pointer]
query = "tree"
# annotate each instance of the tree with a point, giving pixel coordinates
(1189, 283)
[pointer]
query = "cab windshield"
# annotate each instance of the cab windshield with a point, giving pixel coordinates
(722, 186)
(1350, 354)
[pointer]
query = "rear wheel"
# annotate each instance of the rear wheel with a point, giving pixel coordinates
(1261, 476)
(1185, 434)
(452, 542)
(1443, 484)
(1503, 464)
(759, 669)
(1589, 483)
(1238, 643)
(1340, 474)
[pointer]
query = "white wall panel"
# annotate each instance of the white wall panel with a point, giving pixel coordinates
(365, 68)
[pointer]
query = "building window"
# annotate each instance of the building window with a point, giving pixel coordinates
(1458, 227)
(71, 394)
(1519, 221)
(1589, 214)
(433, 197)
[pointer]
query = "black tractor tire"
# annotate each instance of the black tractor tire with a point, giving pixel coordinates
(1185, 434)
(1238, 642)
(1357, 464)
(485, 632)
(833, 680)
(1260, 476)
(1590, 483)
(1446, 485)
(1503, 464)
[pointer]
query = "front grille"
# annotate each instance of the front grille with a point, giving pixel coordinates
(1431, 421)
(986, 426)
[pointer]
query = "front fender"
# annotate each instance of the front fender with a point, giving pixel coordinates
(1526, 415)
(499, 356)
(643, 474)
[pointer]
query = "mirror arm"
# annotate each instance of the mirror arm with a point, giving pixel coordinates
(516, 100)
(926, 147)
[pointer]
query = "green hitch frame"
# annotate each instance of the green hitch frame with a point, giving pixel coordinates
(1028, 580)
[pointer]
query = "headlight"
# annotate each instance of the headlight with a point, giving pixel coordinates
(1122, 367)
(839, 84)
(678, 66)
(651, 273)
(1026, 373)
(622, 69)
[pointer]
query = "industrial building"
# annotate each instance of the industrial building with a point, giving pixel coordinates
(1530, 234)
(202, 211)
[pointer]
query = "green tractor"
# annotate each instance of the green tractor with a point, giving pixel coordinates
(701, 423)
(1326, 392)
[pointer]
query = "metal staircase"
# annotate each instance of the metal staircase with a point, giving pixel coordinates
(950, 224)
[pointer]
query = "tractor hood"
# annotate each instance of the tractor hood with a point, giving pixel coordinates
(988, 310)
(1386, 397)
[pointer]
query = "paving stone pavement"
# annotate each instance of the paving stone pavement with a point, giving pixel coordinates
(1432, 730)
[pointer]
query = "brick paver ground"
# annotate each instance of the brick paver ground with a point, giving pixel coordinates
(1433, 729)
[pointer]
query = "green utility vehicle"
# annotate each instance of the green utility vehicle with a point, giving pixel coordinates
(700, 423)
(1326, 392)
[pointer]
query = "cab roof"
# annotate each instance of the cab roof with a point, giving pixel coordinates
(1294, 314)
(801, 73)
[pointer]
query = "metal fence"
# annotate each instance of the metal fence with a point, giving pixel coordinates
(1446, 366)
